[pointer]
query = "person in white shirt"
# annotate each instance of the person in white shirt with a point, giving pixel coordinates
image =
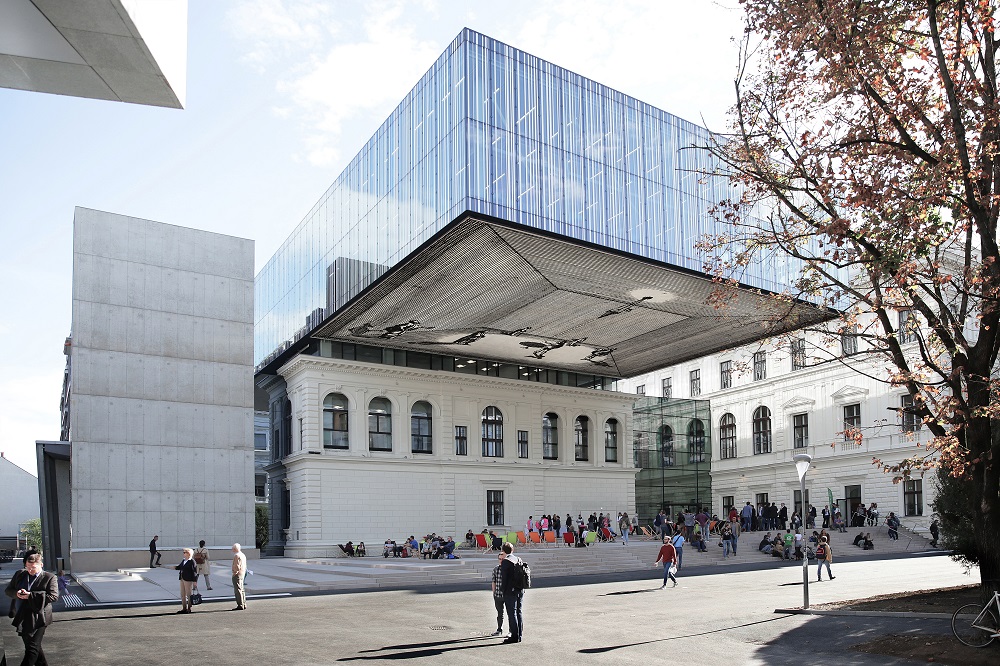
(239, 574)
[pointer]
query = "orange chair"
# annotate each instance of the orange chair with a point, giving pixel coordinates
(481, 544)
(521, 541)
(550, 537)
(534, 538)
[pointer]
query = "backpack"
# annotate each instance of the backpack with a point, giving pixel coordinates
(821, 551)
(522, 575)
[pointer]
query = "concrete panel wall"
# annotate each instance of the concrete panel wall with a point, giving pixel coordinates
(162, 385)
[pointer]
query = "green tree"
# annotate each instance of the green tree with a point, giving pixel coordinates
(31, 534)
(262, 520)
(864, 148)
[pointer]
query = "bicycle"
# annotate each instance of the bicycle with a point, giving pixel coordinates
(976, 625)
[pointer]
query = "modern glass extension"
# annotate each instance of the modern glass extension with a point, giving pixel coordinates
(494, 130)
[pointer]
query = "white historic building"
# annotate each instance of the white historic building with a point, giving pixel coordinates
(381, 451)
(772, 401)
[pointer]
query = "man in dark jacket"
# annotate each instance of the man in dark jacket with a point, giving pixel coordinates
(513, 594)
(33, 591)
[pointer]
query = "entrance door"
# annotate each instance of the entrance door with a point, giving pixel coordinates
(852, 495)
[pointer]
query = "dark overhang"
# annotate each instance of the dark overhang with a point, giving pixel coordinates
(487, 289)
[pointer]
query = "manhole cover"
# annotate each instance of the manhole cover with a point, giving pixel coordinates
(440, 627)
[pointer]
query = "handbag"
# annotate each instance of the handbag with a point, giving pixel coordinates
(195, 598)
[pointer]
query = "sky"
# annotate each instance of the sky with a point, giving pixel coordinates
(281, 94)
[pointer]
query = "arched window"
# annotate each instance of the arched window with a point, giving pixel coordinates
(611, 440)
(335, 419)
(380, 425)
(492, 433)
(667, 445)
(582, 438)
(727, 435)
(420, 427)
(762, 430)
(696, 441)
(550, 436)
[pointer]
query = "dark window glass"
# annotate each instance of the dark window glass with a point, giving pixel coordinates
(726, 374)
(522, 443)
(800, 431)
(759, 366)
(550, 437)
(380, 425)
(696, 441)
(798, 354)
(695, 383)
(762, 430)
(668, 389)
(335, 435)
(492, 433)
(611, 441)
(494, 507)
(852, 420)
(910, 421)
(849, 342)
(727, 436)
(260, 441)
(582, 432)
(461, 440)
(640, 389)
(913, 497)
(667, 446)
(420, 427)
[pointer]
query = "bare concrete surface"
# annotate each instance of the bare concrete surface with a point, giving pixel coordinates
(713, 618)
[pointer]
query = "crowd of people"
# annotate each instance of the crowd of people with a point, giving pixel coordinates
(430, 546)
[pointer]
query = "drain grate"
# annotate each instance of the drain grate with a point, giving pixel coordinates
(440, 627)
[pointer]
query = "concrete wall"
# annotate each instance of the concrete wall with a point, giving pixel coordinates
(162, 385)
(18, 497)
(363, 495)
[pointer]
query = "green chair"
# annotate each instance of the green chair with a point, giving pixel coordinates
(591, 537)
(511, 538)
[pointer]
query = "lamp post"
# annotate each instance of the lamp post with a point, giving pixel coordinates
(802, 462)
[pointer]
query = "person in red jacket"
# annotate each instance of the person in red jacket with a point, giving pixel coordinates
(668, 556)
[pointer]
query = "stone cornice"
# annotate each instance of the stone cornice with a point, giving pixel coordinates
(303, 459)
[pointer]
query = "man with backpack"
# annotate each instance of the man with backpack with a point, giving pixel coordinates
(515, 577)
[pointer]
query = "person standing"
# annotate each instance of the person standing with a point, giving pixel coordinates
(33, 592)
(825, 558)
(934, 533)
(668, 556)
(624, 525)
(239, 577)
(826, 516)
(746, 514)
(782, 516)
(153, 552)
(201, 560)
(498, 594)
(513, 593)
(188, 576)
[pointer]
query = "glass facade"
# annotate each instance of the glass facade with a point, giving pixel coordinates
(672, 449)
(491, 129)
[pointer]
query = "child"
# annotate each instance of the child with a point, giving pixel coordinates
(63, 583)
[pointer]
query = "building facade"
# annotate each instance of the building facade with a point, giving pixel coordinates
(809, 395)
(18, 497)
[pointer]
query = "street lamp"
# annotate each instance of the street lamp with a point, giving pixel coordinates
(802, 462)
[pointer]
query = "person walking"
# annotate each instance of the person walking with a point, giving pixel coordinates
(513, 593)
(239, 577)
(498, 594)
(188, 575)
(624, 525)
(153, 552)
(668, 556)
(934, 533)
(678, 543)
(33, 592)
(201, 560)
(824, 555)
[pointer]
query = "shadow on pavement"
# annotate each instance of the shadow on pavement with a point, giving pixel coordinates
(615, 594)
(417, 650)
(168, 613)
(610, 648)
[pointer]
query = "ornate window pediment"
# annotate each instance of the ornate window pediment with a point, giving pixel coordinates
(849, 394)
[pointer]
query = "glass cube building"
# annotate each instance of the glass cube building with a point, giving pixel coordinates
(492, 130)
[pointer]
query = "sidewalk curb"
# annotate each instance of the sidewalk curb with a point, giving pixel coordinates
(849, 613)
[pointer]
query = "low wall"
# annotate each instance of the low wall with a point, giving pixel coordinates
(112, 559)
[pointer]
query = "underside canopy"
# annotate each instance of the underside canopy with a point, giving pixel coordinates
(488, 290)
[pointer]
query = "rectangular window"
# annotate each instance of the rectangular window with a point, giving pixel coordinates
(913, 497)
(379, 432)
(461, 440)
(260, 441)
(260, 487)
(852, 420)
(726, 374)
(728, 502)
(759, 366)
(494, 507)
(910, 421)
(762, 499)
(695, 383)
(800, 431)
(907, 331)
(798, 354)
(640, 389)
(668, 391)
(798, 501)
(522, 443)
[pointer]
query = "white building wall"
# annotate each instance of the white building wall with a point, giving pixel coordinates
(18, 497)
(364, 495)
(162, 386)
(820, 390)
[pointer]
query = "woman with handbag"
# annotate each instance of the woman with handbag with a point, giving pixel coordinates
(188, 576)
(201, 561)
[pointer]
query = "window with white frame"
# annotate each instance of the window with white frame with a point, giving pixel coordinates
(492, 433)
(762, 430)
(695, 378)
(726, 374)
(798, 348)
(759, 366)
(727, 436)
(910, 421)
(668, 389)
(852, 420)
(800, 431)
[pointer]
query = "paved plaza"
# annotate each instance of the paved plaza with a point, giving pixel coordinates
(713, 616)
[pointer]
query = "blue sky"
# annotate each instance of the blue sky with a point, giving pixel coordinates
(280, 96)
